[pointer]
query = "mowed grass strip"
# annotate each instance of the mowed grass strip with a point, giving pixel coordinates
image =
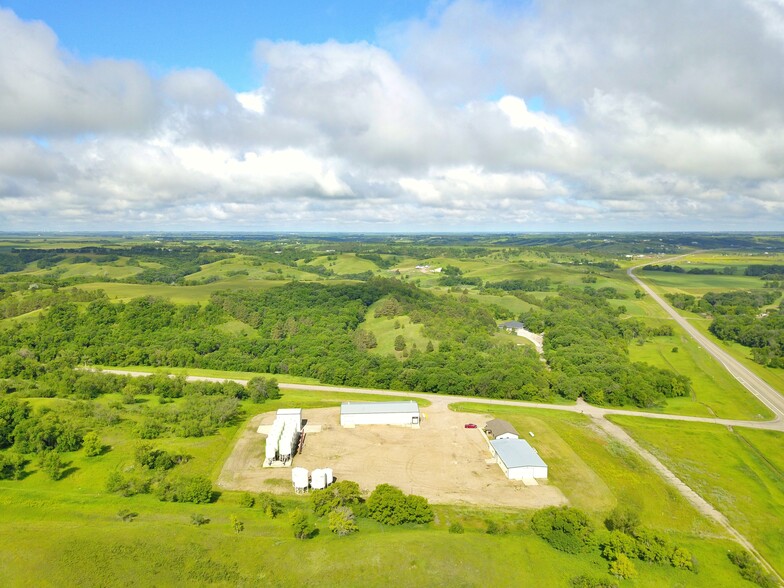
(739, 471)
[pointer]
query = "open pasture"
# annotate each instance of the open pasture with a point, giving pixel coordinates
(729, 468)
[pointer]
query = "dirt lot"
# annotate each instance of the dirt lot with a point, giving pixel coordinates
(442, 460)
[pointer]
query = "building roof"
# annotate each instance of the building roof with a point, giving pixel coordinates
(289, 411)
(512, 325)
(378, 407)
(499, 426)
(517, 453)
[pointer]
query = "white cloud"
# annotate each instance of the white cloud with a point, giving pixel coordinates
(43, 89)
(649, 115)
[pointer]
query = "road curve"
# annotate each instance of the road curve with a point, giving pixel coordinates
(763, 391)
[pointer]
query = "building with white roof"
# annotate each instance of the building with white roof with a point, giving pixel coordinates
(518, 459)
(405, 413)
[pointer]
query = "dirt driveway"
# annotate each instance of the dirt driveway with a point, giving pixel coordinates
(442, 460)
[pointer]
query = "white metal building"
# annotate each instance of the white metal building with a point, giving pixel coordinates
(293, 416)
(518, 459)
(501, 429)
(405, 413)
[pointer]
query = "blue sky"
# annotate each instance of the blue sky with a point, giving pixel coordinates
(449, 115)
(176, 34)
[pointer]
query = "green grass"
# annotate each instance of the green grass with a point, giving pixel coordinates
(68, 533)
(739, 471)
(346, 263)
(177, 294)
(697, 285)
(385, 332)
(594, 472)
(715, 392)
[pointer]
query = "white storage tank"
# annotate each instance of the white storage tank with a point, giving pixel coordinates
(329, 476)
(299, 477)
(318, 479)
(270, 450)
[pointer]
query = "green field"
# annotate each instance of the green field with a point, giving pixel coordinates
(177, 294)
(739, 471)
(715, 392)
(697, 285)
(385, 332)
(69, 532)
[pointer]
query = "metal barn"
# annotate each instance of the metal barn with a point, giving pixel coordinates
(518, 459)
(405, 413)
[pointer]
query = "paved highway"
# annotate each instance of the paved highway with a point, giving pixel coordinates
(766, 394)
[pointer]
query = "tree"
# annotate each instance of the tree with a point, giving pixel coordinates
(257, 390)
(52, 463)
(236, 524)
(247, 500)
(270, 505)
(301, 525)
(92, 444)
(12, 412)
(199, 520)
(400, 343)
(623, 518)
(565, 528)
(623, 567)
(343, 493)
(342, 521)
(12, 466)
(389, 505)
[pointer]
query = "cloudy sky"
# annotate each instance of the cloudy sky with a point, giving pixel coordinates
(391, 116)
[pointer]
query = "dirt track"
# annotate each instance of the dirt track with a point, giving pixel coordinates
(442, 460)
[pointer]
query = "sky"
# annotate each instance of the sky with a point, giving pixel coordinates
(392, 116)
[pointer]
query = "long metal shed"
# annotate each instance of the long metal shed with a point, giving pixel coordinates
(404, 413)
(518, 459)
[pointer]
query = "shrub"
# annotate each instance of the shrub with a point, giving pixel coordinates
(565, 528)
(341, 521)
(92, 444)
(495, 528)
(623, 567)
(301, 525)
(197, 489)
(127, 485)
(591, 582)
(199, 520)
(343, 493)
(247, 500)
(389, 505)
(623, 518)
(457, 528)
(751, 570)
(270, 505)
(52, 463)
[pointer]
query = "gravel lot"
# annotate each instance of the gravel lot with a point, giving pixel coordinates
(442, 460)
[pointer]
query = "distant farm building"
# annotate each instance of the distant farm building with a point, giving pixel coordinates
(404, 413)
(518, 459)
(501, 429)
(511, 325)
